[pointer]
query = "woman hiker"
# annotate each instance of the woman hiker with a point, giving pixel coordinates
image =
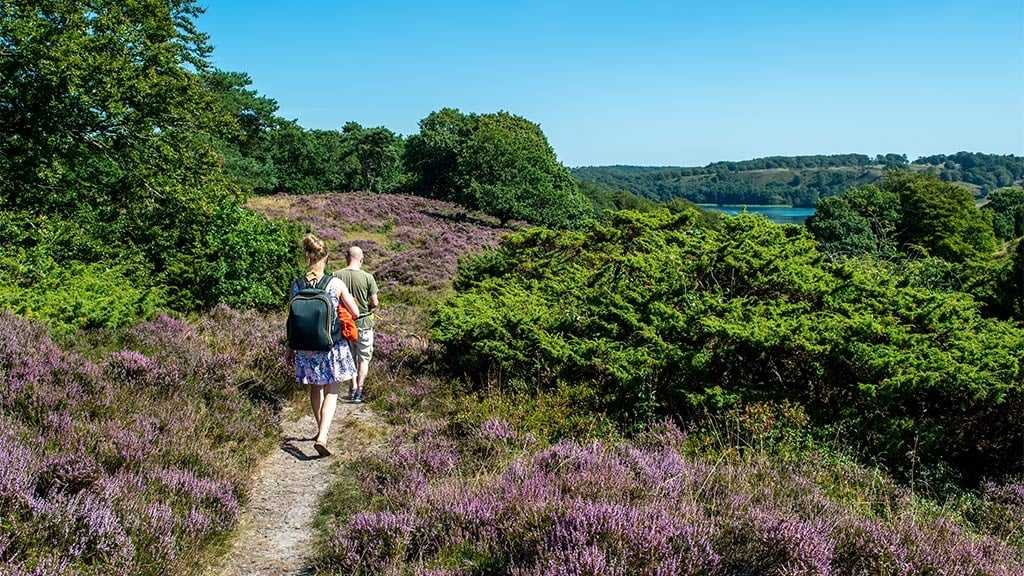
(325, 368)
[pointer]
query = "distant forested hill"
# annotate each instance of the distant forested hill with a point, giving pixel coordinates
(797, 180)
(986, 171)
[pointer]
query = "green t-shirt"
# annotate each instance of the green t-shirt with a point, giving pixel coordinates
(363, 288)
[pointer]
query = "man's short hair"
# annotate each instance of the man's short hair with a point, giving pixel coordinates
(354, 253)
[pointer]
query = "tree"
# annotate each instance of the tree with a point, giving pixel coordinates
(432, 155)
(906, 210)
(245, 143)
(1007, 208)
(861, 221)
(513, 173)
(499, 163)
(378, 151)
(940, 217)
(112, 131)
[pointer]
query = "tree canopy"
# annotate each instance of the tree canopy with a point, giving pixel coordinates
(120, 145)
(499, 163)
(903, 212)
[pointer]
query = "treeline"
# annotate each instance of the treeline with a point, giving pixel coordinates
(267, 153)
(796, 180)
(987, 171)
(498, 163)
(126, 160)
(815, 161)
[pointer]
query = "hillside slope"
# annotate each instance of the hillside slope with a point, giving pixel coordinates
(797, 180)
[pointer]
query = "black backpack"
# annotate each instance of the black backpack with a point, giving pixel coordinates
(312, 319)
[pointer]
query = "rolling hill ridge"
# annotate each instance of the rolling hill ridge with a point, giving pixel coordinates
(797, 180)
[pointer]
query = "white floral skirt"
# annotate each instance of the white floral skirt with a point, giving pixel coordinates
(319, 368)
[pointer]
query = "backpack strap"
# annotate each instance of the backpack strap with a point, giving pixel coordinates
(322, 284)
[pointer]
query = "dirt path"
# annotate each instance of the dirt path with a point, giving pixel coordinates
(275, 533)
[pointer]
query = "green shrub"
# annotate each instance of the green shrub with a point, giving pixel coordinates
(82, 296)
(243, 260)
(661, 314)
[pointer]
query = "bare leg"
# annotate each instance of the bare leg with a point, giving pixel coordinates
(316, 401)
(330, 402)
(363, 368)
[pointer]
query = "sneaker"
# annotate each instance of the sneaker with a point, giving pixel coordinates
(357, 397)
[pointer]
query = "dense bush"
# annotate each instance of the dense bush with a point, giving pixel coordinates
(81, 296)
(219, 267)
(664, 315)
(102, 466)
(499, 163)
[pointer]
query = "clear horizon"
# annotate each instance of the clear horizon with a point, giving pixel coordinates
(651, 83)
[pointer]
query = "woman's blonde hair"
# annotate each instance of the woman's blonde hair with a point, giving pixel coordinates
(315, 249)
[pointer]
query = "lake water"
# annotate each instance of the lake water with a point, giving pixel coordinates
(779, 214)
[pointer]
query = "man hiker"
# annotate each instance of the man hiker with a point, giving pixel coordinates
(363, 288)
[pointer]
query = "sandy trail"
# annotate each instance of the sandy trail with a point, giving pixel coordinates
(275, 533)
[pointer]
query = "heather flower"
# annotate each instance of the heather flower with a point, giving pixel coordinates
(47, 566)
(637, 508)
(137, 441)
(205, 490)
(84, 449)
(88, 525)
(164, 334)
(59, 422)
(437, 572)
(17, 466)
(372, 541)
(69, 473)
(36, 370)
(776, 543)
(453, 515)
(121, 483)
(131, 366)
(1010, 495)
(496, 429)
(197, 523)
(586, 561)
(160, 524)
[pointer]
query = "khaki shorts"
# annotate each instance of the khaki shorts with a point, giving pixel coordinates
(362, 348)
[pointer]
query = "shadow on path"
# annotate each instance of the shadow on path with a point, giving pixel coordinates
(275, 534)
(298, 453)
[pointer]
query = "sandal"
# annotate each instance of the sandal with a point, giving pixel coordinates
(321, 449)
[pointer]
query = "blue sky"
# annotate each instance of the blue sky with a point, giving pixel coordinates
(681, 83)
